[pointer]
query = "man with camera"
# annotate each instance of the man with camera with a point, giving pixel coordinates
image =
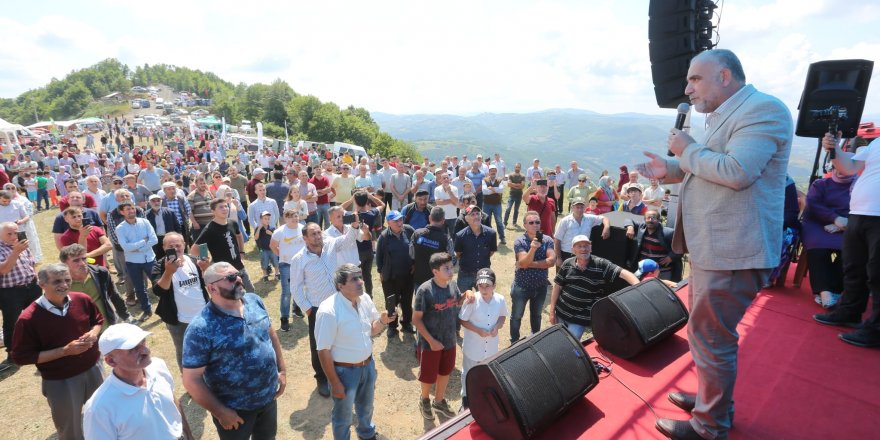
(18, 279)
(179, 284)
(537, 200)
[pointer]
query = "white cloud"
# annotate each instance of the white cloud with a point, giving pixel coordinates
(404, 57)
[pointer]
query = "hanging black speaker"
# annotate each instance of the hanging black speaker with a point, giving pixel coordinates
(523, 389)
(677, 31)
(631, 320)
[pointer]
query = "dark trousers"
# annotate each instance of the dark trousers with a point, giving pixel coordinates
(398, 290)
(158, 249)
(366, 258)
(313, 348)
(861, 268)
(561, 200)
(13, 300)
(826, 270)
(245, 222)
(259, 424)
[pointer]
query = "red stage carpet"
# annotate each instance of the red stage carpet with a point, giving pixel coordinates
(796, 381)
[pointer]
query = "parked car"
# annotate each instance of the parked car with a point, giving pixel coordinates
(136, 103)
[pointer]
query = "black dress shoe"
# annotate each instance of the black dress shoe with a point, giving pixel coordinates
(685, 401)
(408, 328)
(677, 429)
(862, 338)
(837, 318)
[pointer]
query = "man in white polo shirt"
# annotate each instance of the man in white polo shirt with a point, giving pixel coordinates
(137, 399)
(347, 355)
(574, 224)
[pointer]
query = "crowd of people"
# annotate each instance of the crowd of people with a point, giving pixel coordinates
(176, 223)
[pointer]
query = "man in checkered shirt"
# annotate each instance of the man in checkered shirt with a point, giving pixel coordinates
(18, 281)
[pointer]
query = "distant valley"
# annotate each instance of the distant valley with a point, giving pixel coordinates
(598, 142)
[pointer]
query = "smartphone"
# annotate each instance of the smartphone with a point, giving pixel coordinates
(87, 221)
(540, 236)
(391, 303)
(22, 236)
(347, 219)
(541, 182)
(171, 254)
(203, 251)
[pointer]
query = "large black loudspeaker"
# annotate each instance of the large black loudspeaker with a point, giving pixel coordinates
(523, 389)
(843, 83)
(677, 30)
(633, 319)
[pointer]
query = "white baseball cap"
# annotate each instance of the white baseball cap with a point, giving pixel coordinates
(121, 337)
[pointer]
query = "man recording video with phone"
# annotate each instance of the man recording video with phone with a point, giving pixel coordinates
(729, 218)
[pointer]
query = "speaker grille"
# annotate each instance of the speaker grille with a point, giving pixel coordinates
(539, 377)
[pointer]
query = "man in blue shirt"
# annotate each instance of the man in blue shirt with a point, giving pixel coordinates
(232, 361)
(474, 247)
(476, 176)
(136, 237)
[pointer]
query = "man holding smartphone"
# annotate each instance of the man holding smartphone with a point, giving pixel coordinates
(534, 257)
(18, 280)
(536, 200)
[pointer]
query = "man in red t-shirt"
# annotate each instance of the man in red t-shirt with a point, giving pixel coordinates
(536, 199)
(322, 185)
(91, 237)
(71, 186)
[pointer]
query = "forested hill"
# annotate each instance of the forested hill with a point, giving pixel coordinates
(307, 117)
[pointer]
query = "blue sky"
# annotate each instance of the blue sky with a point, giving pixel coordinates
(457, 57)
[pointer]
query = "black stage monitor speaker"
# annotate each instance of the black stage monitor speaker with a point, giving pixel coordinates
(633, 319)
(523, 389)
(842, 83)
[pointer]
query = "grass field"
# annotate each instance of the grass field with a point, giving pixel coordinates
(302, 413)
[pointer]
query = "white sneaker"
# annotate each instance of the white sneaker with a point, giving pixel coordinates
(829, 299)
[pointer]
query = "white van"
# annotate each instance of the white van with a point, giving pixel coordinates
(341, 148)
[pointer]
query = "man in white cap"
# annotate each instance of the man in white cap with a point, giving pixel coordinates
(137, 398)
(579, 283)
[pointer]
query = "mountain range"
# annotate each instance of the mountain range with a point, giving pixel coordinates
(596, 141)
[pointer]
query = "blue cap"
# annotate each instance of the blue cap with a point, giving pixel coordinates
(393, 216)
(646, 266)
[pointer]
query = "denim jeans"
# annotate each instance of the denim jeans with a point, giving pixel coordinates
(360, 385)
(323, 215)
(138, 273)
(42, 194)
(466, 280)
(284, 270)
(576, 330)
(519, 297)
(513, 202)
(267, 259)
(495, 210)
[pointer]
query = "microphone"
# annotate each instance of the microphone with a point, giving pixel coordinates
(683, 110)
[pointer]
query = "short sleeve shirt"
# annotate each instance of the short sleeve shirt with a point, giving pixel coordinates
(440, 308)
(531, 278)
(582, 288)
(237, 353)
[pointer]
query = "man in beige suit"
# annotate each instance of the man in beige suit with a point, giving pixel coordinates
(729, 219)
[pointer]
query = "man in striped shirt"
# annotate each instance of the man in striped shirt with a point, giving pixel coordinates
(651, 240)
(579, 283)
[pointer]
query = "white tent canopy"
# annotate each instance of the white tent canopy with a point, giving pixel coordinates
(8, 133)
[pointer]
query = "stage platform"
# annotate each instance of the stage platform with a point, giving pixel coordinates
(796, 381)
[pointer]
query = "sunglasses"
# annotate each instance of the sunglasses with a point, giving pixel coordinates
(231, 278)
(581, 180)
(536, 222)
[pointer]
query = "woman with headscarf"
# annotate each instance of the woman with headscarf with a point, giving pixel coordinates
(824, 221)
(606, 195)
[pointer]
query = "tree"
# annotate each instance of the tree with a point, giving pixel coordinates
(277, 97)
(300, 111)
(325, 123)
(71, 104)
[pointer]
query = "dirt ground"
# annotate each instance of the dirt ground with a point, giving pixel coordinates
(302, 412)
